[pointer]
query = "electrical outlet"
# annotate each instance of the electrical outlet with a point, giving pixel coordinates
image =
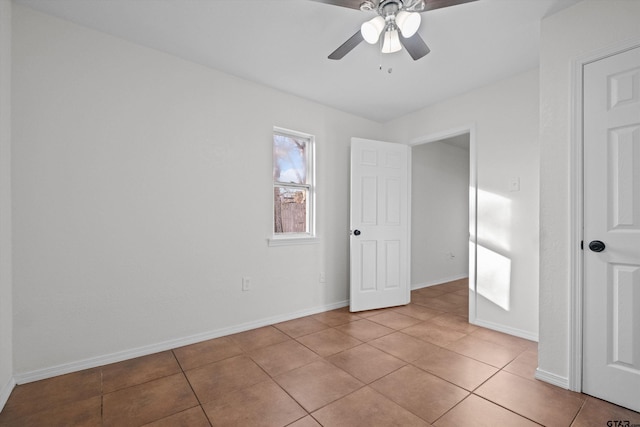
(323, 277)
(246, 283)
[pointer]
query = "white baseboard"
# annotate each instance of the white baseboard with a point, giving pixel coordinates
(506, 329)
(551, 378)
(5, 392)
(438, 281)
(40, 374)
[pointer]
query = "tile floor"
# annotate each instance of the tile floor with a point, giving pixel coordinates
(418, 365)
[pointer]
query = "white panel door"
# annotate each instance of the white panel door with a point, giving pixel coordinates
(379, 224)
(611, 326)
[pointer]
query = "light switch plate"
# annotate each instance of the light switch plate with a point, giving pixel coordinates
(514, 184)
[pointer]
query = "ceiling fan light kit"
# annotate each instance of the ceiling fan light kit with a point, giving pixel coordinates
(407, 22)
(399, 20)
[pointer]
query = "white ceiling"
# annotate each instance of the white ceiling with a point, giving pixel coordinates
(284, 44)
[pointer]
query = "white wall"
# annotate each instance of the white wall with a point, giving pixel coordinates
(439, 213)
(506, 130)
(566, 36)
(142, 195)
(6, 316)
(122, 155)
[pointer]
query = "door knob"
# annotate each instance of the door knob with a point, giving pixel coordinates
(356, 232)
(597, 246)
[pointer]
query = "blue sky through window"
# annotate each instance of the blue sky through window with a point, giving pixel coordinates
(289, 159)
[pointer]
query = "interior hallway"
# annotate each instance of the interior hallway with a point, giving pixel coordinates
(418, 365)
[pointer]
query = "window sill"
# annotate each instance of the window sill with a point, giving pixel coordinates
(289, 241)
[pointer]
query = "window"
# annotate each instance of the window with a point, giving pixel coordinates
(293, 187)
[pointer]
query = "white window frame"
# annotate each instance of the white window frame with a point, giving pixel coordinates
(283, 239)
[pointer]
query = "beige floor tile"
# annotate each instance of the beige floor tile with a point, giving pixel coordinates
(403, 346)
(435, 303)
(366, 408)
(463, 292)
(417, 311)
(542, 403)
(317, 384)
(366, 363)
(597, 413)
(455, 322)
(484, 351)
(429, 292)
(328, 342)
(435, 334)
(394, 320)
(139, 370)
(86, 412)
(261, 337)
(505, 340)
(364, 330)
(336, 317)
(302, 326)
(217, 379)
(422, 393)
(210, 351)
(524, 365)
(51, 393)
(307, 421)
(454, 299)
(462, 310)
(455, 368)
(347, 310)
(148, 402)
(454, 285)
(263, 404)
(193, 417)
(369, 313)
(478, 412)
(285, 356)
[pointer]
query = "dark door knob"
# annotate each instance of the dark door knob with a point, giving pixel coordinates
(356, 232)
(597, 246)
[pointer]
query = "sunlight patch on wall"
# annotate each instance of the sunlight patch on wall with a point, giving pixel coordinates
(494, 277)
(493, 248)
(495, 213)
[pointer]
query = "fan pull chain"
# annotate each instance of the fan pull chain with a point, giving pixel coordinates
(380, 52)
(380, 56)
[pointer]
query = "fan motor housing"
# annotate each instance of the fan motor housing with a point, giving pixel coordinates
(384, 7)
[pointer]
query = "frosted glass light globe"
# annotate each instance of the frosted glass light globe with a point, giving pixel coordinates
(408, 22)
(391, 42)
(371, 29)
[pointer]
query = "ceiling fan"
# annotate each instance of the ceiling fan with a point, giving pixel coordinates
(395, 25)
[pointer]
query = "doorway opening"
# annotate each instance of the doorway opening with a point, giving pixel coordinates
(443, 211)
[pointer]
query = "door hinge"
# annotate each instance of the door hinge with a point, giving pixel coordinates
(582, 245)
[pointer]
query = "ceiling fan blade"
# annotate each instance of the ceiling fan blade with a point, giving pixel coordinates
(428, 4)
(439, 4)
(347, 46)
(416, 47)
(351, 4)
